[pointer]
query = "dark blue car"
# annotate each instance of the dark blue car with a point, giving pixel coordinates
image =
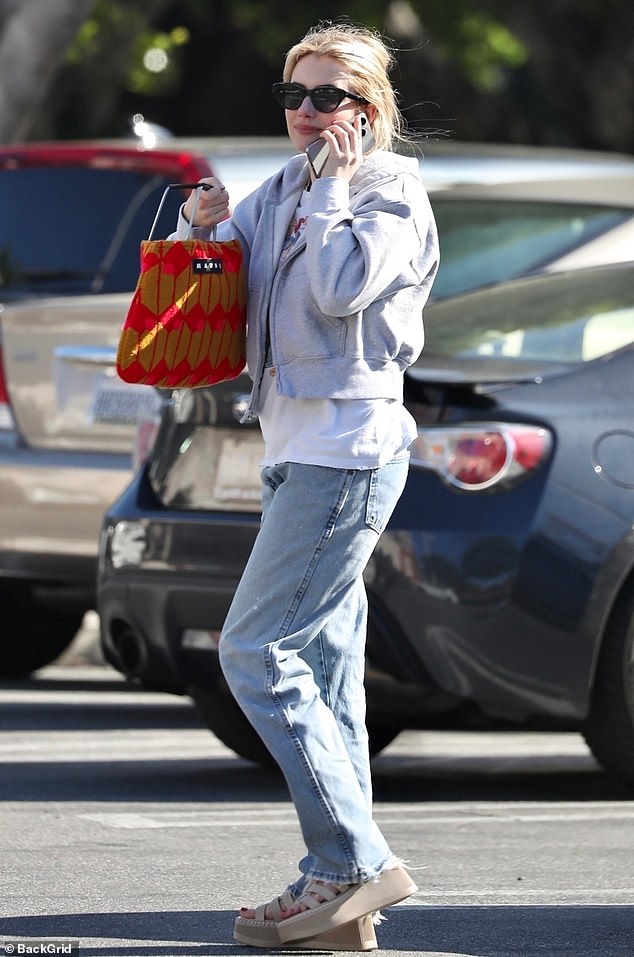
(502, 592)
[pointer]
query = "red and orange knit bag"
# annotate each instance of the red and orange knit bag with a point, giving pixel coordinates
(186, 324)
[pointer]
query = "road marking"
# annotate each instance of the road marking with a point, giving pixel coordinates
(229, 818)
(102, 746)
(474, 815)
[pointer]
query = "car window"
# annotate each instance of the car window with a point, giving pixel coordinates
(243, 173)
(486, 242)
(569, 318)
(76, 230)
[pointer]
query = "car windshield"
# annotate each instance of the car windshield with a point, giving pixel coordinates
(77, 230)
(567, 318)
(486, 242)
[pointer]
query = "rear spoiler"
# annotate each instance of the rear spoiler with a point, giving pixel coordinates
(475, 372)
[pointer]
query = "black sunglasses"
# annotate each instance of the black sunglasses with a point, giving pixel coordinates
(325, 99)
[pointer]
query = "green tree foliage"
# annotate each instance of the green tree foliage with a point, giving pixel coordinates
(33, 37)
(565, 77)
(492, 70)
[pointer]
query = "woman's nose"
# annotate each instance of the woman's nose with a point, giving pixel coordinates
(306, 106)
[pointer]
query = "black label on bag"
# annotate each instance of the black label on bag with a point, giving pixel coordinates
(206, 266)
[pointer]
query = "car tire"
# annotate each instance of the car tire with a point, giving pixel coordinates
(224, 717)
(35, 633)
(609, 730)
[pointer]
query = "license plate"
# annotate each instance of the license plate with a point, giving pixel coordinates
(117, 402)
(238, 470)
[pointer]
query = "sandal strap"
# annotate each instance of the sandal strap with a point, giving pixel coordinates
(279, 904)
(275, 907)
(317, 893)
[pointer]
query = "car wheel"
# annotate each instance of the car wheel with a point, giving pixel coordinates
(609, 730)
(224, 717)
(380, 736)
(34, 634)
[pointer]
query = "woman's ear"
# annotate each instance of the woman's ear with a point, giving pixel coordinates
(370, 112)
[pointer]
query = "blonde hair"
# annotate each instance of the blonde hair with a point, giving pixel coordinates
(367, 59)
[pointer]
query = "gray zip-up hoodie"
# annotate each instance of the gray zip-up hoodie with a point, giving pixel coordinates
(344, 310)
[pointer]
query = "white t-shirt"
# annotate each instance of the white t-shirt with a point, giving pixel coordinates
(339, 433)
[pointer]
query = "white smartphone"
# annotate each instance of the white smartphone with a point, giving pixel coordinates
(317, 152)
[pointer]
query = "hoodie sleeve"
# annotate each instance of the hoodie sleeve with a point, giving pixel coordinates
(367, 244)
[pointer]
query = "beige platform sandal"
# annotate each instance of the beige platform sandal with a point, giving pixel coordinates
(261, 932)
(328, 907)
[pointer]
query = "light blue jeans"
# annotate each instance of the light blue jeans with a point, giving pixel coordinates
(293, 652)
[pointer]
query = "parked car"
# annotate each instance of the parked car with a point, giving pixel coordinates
(73, 216)
(502, 591)
(66, 275)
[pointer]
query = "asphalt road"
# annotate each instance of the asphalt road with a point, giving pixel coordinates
(126, 826)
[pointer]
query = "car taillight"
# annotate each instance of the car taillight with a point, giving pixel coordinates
(482, 454)
(147, 427)
(7, 423)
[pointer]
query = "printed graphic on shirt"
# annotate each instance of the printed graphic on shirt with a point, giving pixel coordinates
(295, 230)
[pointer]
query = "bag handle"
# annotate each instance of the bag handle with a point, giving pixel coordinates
(198, 187)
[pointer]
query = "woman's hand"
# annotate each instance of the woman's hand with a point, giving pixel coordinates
(212, 207)
(346, 153)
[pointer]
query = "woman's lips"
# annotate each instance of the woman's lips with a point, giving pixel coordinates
(312, 131)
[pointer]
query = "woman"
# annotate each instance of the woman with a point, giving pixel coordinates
(339, 269)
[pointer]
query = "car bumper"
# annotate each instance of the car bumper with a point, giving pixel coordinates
(51, 509)
(165, 584)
